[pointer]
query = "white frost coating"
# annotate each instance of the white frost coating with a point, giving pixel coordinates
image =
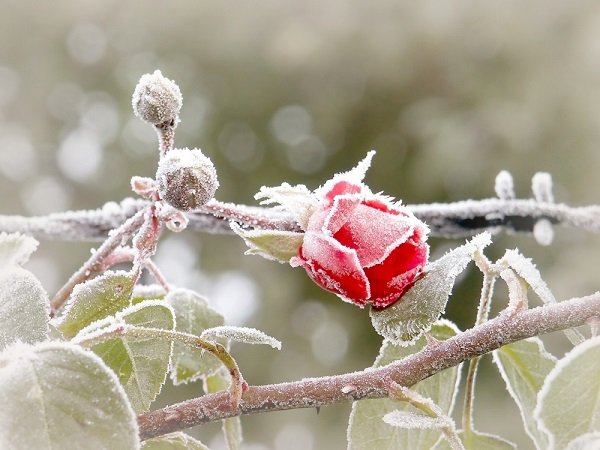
(411, 316)
(504, 186)
(588, 441)
(240, 334)
(148, 291)
(405, 419)
(16, 248)
(60, 380)
(298, 200)
(541, 185)
(573, 382)
(175, 441)
(543, 232)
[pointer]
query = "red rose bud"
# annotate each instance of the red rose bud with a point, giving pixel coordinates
(361, 246)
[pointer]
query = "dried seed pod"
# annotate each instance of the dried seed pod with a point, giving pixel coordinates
(186, 179)
(156, 99)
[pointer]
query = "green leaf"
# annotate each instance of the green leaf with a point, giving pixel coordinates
(24, 307)
(479, 441)
(524, 365)
(57, 395)
(271, 244)
(240, 334)
(568, 405)
(140, 364)
(232, 426)
(15, 249)
(368, 431)
(193, 315)
(174, 441)
(422, 305)
(96, 299)
(413, 420)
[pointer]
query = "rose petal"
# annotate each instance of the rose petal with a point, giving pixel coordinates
(333, 267)
(394, 276)
(374, 234)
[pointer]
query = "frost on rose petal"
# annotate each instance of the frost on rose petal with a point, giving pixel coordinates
(298, 200)
(356, 175)
(422, 305)
(240, 334)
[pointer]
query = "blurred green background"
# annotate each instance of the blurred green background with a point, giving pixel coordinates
(448, 93)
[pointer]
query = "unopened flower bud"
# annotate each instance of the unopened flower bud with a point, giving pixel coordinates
(186, 179)
(156, 99)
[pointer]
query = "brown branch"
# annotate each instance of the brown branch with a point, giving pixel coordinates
(374, 383)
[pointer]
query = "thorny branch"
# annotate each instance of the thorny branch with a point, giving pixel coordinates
(452, 220)
(508, 327)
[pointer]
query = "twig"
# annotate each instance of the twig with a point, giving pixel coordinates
(450, 220)
(117, 238)
(374, 383)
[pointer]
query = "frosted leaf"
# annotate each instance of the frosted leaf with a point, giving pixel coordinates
(174, 441)
(24, 307)
(504, 186)
(410, 420)
(298, 200)
(15, 249)
(543, 232)
(367, 430)
(422, 304)
(588, 441)
(525, 268)
(140, 364)
(276, 245)
(479, 441)
(524, 365)
(240, 334)
(541, 185)
(567, 404)
(143, 292)
(95, 299)
(57, 395)
(193, 315)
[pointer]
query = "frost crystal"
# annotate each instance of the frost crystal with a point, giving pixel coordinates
(156, 99)
(186, 179)
(504, 186)
(541, 185)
